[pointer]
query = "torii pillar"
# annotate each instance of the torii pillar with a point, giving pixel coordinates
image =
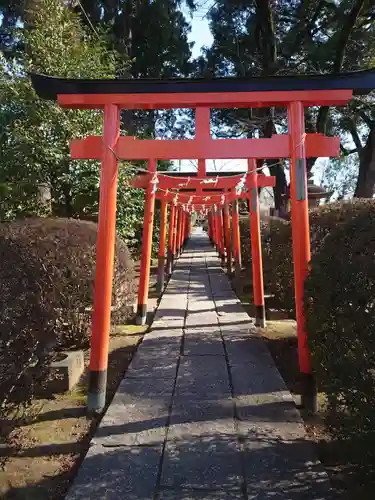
(227, 237)
(105, 250)
(236, 239)
(301, 243)
(144, 277)
(170, 255)
(162, 242)
(256, 246)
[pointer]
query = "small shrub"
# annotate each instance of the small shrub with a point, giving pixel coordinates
(277, 246)
(339, 302)
(276, 254)
(66, 249)
(26, 326)
(325, 218)
(278, 263)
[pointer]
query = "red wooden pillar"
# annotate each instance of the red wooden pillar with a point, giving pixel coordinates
(183, 230)
(256, 246)
(175, 231)
(162, 242)
(236, 239)
(188, 227)
(213, 230)
(209, 227)
(170, 254)
(214, 224)
(178, 235)
(228, 243)
(105, 250)
(222, 236)
(144, 277)
(218, 232)
(301, 243)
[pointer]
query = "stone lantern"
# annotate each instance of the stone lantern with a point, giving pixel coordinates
(316, 193)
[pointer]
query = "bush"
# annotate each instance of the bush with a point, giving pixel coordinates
(276, 254)
(278, 263)
(66, 249)
(326, 217)
(277, 247)
(339, 301)
(26, 324)
(47, 270)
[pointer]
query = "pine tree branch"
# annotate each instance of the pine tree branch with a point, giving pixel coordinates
(354, 133)
(365, 118)
(347, 152)
(268, 36)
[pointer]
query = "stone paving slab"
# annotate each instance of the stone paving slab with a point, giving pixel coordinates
(199, 495)
(203, 377)
(210, 460)
(203, 344)
(117, 474)
(203, 413)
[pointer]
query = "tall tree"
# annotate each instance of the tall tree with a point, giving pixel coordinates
(274, 37)
(154, 37)
(35, 134)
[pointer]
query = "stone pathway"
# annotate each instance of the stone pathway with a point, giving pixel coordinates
(202, 413)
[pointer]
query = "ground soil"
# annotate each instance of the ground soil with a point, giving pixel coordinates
(348, 480)
(48, 443)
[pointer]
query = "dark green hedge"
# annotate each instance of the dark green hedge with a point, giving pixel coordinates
(340, 306)
(47, 271)
(277, 246)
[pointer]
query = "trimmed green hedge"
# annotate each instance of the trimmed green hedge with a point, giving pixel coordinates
(277, 246)
(47, 270)
(340, 307)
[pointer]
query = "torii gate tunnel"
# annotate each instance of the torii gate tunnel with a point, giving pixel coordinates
(292, 93)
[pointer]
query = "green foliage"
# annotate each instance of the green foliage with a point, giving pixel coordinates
(277, 259)
(339, 299)
(276, 236)
(278, 263)
(25, 325)
(35, 134)
(47, 270)
(66, 249)
(266, 38)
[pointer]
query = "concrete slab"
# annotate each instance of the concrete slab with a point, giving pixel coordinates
(199, 495)
(205, 460)
(203, 344)
(203, 377)
(117, 473)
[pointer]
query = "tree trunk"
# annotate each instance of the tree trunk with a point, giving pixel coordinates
(276, 169)
(366, 176)
(267, 44)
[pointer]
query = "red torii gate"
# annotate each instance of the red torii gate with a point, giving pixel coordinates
(293, 93)
(195, 194)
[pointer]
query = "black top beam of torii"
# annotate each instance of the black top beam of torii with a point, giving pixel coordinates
(361, 82)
